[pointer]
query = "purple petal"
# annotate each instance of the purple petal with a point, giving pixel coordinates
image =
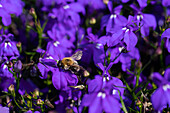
(150, 20)
(110, 6)
(59, 80)
(95, 106)
(76, 7)
(117, 9)
(95, 85)
(142, 3)
(166, 33)
(125, 1)
(167, 74)
(110, 104)
(88, 99)
(165, 3)
(157, 78)
(130, 39)
(159, 100)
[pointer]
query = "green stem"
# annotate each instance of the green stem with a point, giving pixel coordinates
(123, 104)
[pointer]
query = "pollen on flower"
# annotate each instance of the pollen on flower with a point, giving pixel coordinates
(166, 87)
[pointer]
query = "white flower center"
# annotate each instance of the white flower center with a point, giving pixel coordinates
(7, 43)
(66, 6)
(125, 29)
(120, 49)
(166, 87)
(114, 92)
(5, 66)
(113, 16)
(50, 57)
(98, 46)
(100, 94)
(1, 5)
(56, 43)
(139, 17)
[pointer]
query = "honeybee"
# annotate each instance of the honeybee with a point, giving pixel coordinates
(70, 63)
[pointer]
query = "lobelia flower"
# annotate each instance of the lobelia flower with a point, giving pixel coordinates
(8, 7)
(68, 13)
(4, 72)
(4, 109)
(113, 18)
(6, 82)
(58, 46)
(124, 58)
(62, 79)
(161, 97)
(7, 47)
(94, 50)
(124, 31)
(144, 21)
(46, 63)
(99, 4)
(166, 36)
(68, 100)
(166, 3)
(102, 98)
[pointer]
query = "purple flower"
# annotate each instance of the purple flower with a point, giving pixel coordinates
(59, 45)
(142, 3)
(166, 36)
(123, 31)
(124, 58)
(6, 82)
(99, 4)
(114, 18)
(4, 109)
(4, 72)
(68, 13)
(95, 50)
(103, 98)
(8, 47)
(46, 63)
(62, 79)
(144, 21)
(165, 3)
(161, 97)
(8, 7)
(68, 99)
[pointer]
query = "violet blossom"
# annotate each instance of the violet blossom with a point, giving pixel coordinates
(166, 37)
(8, 7)
(103, 98)
(161, 97)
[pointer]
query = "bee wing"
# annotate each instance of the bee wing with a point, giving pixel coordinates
(77, 55)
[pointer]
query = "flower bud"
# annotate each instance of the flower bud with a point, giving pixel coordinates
(32, 12)
(40, 102)
(18, 66)
(92, 20)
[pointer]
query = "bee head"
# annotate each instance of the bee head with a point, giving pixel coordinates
(59, 64)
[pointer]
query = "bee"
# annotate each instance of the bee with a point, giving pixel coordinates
(71, 64)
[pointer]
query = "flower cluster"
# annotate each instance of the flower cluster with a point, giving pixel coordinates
(84, 56)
